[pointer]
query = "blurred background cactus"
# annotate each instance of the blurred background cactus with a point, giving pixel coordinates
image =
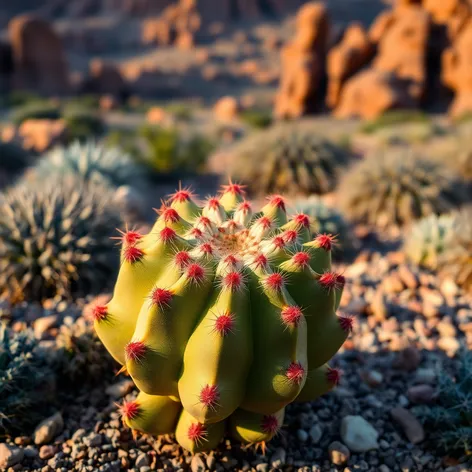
(326, 219)
(397, 188)
(198, 275)
(456, 259)
(27, 383)
(287, 159)
(91, 162)
(55, 239)
(429, 238)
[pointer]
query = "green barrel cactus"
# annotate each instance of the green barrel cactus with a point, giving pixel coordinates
(288, 159)
(428, 238)
(223, 317)
(329, 220)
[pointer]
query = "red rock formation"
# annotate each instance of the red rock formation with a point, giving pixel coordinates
(38, 57)
(104, 78)
(457, 71)
(345, 59)
(303, 63)
(398, 74)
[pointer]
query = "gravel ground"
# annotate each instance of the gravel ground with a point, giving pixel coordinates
(409, 326)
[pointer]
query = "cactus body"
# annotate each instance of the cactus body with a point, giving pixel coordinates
(225, 311)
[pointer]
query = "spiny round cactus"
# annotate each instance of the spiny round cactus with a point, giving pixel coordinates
(428, 238)
(91, 162)
(456, 260)
(397, 188)
(288, 159)
(223, 317)
(54, 239)
(325, 219)
(27, 383)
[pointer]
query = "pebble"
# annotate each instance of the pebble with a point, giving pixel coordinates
(197, 464)
(410, 425)
(10, 455)
(358, 434)
(315, 433)
(425, 376)
(302, 435)
(46, 452)
(278, 458)
(374, 378)
(48, 429)
(262, 467)
(43, 324)
(409, 358)
(120, 389)
(421, 393)
(338, 453)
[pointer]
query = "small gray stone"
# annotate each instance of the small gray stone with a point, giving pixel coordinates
(278, 458)
(374, 378)
(142, 460)
(302, 435)
(43, 324)
(48, 429)
(425, 376)
(422, 393)
(10, 455)
(338, 453)
(358, 434)
(120, 389)
(315, 433)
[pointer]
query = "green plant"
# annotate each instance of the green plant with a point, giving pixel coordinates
(54, 239)
(257, 118)
(92, 162)
(35, 110)
(181, 111)
(83, 124)
(398, 188)
(449, 422)
(222, 316)
(428, 238)
(164, 151)
(456, 259)
(80, 357)
(287, 159)
(26, 382)
(22, 97)
(394, 117)
(325, 219)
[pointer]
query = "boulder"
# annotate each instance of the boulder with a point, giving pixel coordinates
(226, 109)
(345, 59)
(303, 63)
(38, 56)
(41, 135)
(403, 49)
(370, 93)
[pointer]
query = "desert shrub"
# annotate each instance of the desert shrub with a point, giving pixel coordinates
(394, 117)
(165, 151)
(35, 110)
(257, 118)
(83, 124)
